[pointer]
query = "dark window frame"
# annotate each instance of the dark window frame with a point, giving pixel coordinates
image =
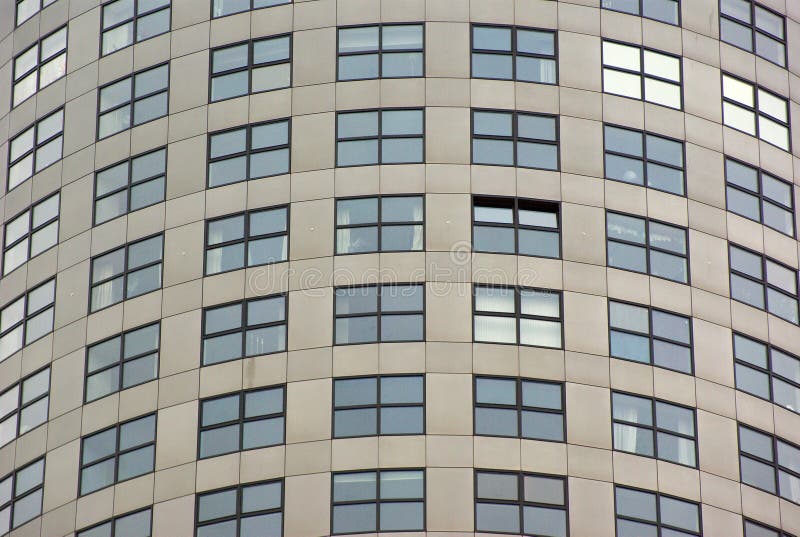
(517, 204)
(658, 524)
(132, 101)
(754, 30)
(379, 137)
(756, 110)
(251, 8)
(762, 199)
(113, 522)
(35, 147)
(135, 20)
(380, 51)
(251, 65)
(768, 371)
(643, 76)
(641, 14)
(515, 138)
(21, 406)
(11, 504)
(31, 231)
(378, 313)
(238, 516)
(379, 224)
(40, 63)
(763, 282)
(776, 466)
(514, 52)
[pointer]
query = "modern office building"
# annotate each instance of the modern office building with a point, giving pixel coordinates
(430, 267)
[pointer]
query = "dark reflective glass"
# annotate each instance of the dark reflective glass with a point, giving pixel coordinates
(543, 521)
(494, 239)
(496, 421)
(542, 426)
(498, 486)
(401, 390)
(262, 433)
(636, 504)
(402, 420)
(494, 517)
(680, 514)
(358, 518)
(216, 505)
(491, 38)
(401, 328)
(402, 516)
(356, 422)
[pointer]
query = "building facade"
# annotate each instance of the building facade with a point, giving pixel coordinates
(443, 267)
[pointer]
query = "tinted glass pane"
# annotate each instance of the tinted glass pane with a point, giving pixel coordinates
(497, 486)
(262, 433)
(670, 326)
(354, 518)
(542, 521)
(401, 390)
(632, 409)
(680, 514)
(356, 330)
(636, 504)
(543, 426)
(752, 381)
(492, 66)
(401, 328)
(496, 391)
(404, 516)
(490, 38)
(498, 240)
(216, 505)
(496, 422)
(354, 487)
(497, 517)
(397, 420)
(356, 422)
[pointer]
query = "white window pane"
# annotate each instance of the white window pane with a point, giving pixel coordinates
(626, 57)
(48, 154)
(540, 333)
(41, 296)
(774, 133)
(53, 70)
(20, 171)
(44, 239)
(25, 87)
(45, 210)
(662, 93)
(54, 44)
(737, 90)
(498, 299)
(21, 144)
(50, 126)
(119, 37)
(12, 314)
(771, 105)
(25, 62)
(10, 343)
(739, 118)
(662, 66)
(624, 84)
(16, 256)
(495, 329)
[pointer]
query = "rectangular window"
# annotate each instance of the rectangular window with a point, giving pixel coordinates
(519, 408)
(661, 10)
(379, 500)
(40, 65)
(24, 406)
(121, 362)
(126, 22)
(515, 139)
(763, 283)
(126, 272)
(643, 245)
(511, 53)
(755, 111)
(384, 405)
(259, 237)
(391, 136)
(27, 318)
(756, 529)
(517, 315)
(380, 224)
(650, 336)
(654, 428)
(521, 503)
(241, 511)
(241, 421)
(754, 28)
(640, 512)
(31, 233)
(222, 8)
(119, 453)
(130, 185)
(242, 329)
(132, 101)
(138, 524)
(379, 313)
(28, 8)
(767, 372)
(383, 51)
(769, 463)
(643, 74)
(21, 496)
(760, 196)
(252, 152)
(251, 67)
(516, 226)
(35, 148)
(644, 159)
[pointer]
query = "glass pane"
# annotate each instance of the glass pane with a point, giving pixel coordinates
(400, 64)
(496, 421)
(354, 487)
(265, 340)
(97, 477)
(358, 39)
(755, 443)
(357, 518)
(674, 327)
(401, 150)
(750, 350)
(356, 422)
(627, 257)
(402, 516)
(357, 153)
(531, 155)
(399, 122)
(228, 86)
(539, 243)
(498, 66)
(494, 239)
(402, 420)
(402, 37)
(543, 521)
(260, 497)
(495, 517)
(140, 370)
(135, 525)
(632, 409)
(540, 303)
(739, 118)
(496, 391)
(150, 108)
(356, 330)
(636, 504)
(102, 384)
(680, 514)
(491, 38)
(497, 486)
(216, 505)
(222, 348)
(262, 433)
(664, 93)
(401, 328)
(543, 426)
(495, 329)
(361, 66)
(752, 381)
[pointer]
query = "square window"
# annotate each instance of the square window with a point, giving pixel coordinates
(502, 138)
(388, 136)
(128, 21)
(642, 74)
(383, 313)
(514, 53)
(516, 226)
(517, 316)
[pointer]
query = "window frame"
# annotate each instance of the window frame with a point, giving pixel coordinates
(135, 20)
(641, 14)
(756, 111)
(251, 8)
(658, 524)
(514, 52)
(776, 466)
(515, 138)
(768, 371)
(31, 231)
(249, 67)
(762, 199)
(763, 282)
(379, 224)
(238, 516)
(380, 51)
(517, 203)
(40, 63)
(21, 406)
(34, 150)
(133, 99)
(380, 136)
(12, 503)
(378, 313)
(378, 405)
(28, 315)
(241, 420)
(754, 30)
(641, 73)
(113, 522)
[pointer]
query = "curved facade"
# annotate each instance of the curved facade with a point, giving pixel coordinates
(440, 267)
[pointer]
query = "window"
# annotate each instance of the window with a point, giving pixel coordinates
(767, 372)
(755, 111)
(367, 406)
(21, 496)
(646, 246)
(516, 226)
(261, 237)
(24, 406)
(40, 65)
(248, 328)
(36, 148)
(769, 463)
(379, 313)
(650, 336)
(509, 53)
(654, 428)
(242, 511)
(661, 10)
(27, 318)
(519, 408)
(137, 524)
(391, 136)
(122, 362)
(517, 315)
(754, 529)
(760, 196)
(763, 283)
(522, 503)
(251, 152)
(240, 421)
(126, 272)
(31, 233)
(134, 100)
(644, 159)
(747, 25)
(221, 8)
(385, 51)
(640, 512)
(642, 74)
(380, 224)
(251, 67)
(514, 139)
(28, 8)
(130, 185)
(380, 500)
(129, 21)
(121, 452)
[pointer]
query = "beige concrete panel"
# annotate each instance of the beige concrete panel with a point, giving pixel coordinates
(448, 404)
(585, 323)
(717, 443)
(449, 499)
(174, 518)
(579, 63)
(314, 422)
(592, 426)
(447, 49)
(307, 501)
(591, 506)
